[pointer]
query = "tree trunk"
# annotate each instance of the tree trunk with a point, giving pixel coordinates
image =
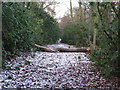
(71, 12)
(94, 18)
(94, 39)
(52, 48)
(79, 12)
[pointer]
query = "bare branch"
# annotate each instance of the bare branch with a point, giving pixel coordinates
(115, 11)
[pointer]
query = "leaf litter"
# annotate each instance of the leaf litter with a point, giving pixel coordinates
(53, 70)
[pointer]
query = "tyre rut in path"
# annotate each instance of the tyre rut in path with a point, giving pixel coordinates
(53, 70)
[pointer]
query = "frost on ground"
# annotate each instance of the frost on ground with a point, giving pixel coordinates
(52, 70)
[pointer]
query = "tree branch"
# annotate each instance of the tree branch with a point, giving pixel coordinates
(105, 30)
(112, 6)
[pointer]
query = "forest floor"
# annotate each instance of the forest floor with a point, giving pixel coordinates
(53, 70)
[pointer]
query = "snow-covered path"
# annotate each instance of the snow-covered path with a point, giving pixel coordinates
(52, 70)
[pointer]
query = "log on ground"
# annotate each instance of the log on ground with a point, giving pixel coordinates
(62, 49)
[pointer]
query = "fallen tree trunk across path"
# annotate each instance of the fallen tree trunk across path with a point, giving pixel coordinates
(62, 48)
(45, 48)
(73, 50)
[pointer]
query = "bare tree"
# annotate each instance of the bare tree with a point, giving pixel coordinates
(49, 6)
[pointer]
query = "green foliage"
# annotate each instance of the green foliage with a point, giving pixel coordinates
(92, 3)
(104, 60)
(75, 34)
(27, 62)
(94, 15)
(105, 55)
(16, 29)
(17, 68)
(48, 31)
(7, 67)
(24, 58)
(10, 77)
(79, 57)
(24, 26)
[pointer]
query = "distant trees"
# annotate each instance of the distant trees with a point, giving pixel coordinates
(49, 6)
(64, 21)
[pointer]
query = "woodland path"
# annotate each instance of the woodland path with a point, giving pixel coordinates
(53, 70)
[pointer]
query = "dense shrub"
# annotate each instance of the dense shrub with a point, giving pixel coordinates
(16, 30)
(23, 26)
(76, 34)
(49, 31)
(106, 53)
